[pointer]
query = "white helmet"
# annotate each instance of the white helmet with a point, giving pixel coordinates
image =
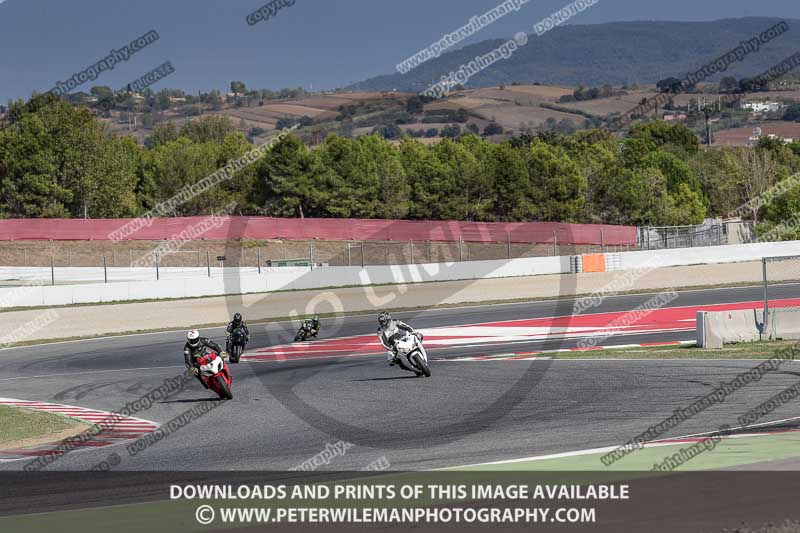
(193, 337)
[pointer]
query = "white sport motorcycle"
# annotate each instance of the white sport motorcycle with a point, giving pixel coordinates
(410, 348)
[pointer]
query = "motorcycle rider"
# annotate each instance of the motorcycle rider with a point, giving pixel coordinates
(312, 326)
(309, 329)
(389, 332)
(237, 322)
(195, 347)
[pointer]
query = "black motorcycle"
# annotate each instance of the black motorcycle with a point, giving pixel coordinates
(308, 330)
(236, 344)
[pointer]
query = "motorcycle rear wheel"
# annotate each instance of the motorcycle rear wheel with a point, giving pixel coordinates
(224, 390)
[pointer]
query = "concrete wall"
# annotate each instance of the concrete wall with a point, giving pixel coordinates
(735, 253)
(244, 281)
(192, 282)
(715, 329)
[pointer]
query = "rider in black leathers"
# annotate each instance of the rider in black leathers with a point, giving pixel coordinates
(311, 327)
(195, 347)
(237, 322)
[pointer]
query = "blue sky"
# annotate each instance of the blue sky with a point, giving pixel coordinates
(327, 43)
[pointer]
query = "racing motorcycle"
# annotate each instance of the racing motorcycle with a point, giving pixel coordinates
(215, 374)
(410, 347)
(306, 331)
(237, 341)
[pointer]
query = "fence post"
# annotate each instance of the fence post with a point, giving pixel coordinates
(362, 254)
(208, 262)
(258, 258)
(349, 256)
(411, 246)
(555, 244)
(508, 237)
(602, 241)
(105, 270)
(766, 294)
(311, 255)
(157, 273)
(461, 249)
(52, 272)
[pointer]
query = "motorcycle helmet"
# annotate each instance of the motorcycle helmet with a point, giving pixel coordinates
(237, 318)
(193, 337)
(384, 318)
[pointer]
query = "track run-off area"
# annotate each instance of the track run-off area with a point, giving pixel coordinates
(499, 396)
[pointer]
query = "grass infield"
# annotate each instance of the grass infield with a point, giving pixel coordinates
(19, 425)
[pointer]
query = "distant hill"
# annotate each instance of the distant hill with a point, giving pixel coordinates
(616, 53)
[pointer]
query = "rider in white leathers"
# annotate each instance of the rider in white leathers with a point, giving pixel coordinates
(389, 332)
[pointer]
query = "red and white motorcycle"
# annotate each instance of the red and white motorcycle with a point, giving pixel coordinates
(215, 374)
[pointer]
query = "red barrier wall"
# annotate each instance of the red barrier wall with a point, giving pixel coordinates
(323, 229)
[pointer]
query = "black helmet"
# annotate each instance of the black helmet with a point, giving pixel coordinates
(316, 318)
(384, 318)
(237, 318)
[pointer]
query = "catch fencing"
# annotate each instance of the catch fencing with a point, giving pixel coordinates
(63, 262)
(290, 229)
(713, 233)
(781, 278)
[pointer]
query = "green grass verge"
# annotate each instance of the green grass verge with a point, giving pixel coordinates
(751, 350)
(17, 424)
(178, 515)
(727, 453)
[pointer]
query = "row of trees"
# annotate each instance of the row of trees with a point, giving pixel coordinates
(56, 160)
(581, 94)
(728, 84)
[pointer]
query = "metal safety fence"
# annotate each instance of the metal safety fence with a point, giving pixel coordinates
(781, 281)
(711, 233)
(85, 262)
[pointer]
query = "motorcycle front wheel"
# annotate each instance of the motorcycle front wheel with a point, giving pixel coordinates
(237, 353)
(224, 390)
(420, 363)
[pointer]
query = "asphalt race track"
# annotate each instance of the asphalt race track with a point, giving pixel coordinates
(285, 412)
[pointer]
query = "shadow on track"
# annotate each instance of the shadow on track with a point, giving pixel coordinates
(196, 400)
(384, 379)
